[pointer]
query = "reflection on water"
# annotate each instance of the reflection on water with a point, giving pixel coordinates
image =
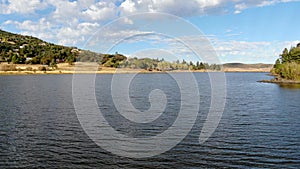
(39, 127)
(290, 86)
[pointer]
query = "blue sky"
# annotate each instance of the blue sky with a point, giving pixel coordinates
(253, 31)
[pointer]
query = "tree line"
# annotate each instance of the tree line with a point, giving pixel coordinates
(162, 65)
(287, 66)
(20, 49)
(120, 61)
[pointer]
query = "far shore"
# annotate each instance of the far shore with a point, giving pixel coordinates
(92, 68)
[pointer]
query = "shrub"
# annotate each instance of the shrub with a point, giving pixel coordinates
(29, 68)
(42, 68)
(290, 71)
(9, 67)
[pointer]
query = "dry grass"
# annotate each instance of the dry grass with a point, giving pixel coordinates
(83, 67)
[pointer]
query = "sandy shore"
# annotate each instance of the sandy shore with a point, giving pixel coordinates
(92, 68)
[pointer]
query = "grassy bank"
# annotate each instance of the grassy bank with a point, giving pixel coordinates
(288, 71)
(88, 68)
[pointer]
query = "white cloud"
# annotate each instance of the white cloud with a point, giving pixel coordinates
(65, 12)
(21, 6)
(242, 5)
(72, 22)
(128, 6)
(193, 7)
(250, 52)
(41, 29)
(237, 12)
(176, 7)
(101, 11)
(67, 35)
(107, 9)
(226, 50)
(76, 35)
(128, 21)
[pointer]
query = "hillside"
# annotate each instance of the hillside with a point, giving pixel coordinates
(20, 49)
(15, 48)
(240, 67)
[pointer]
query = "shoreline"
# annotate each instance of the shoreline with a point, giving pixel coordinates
(281, 81)
(278, 80)
(119, 71)
(93, 68)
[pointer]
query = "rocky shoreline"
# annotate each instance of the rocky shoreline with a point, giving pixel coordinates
(280, 81)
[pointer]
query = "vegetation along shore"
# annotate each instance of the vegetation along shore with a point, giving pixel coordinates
(286, 70)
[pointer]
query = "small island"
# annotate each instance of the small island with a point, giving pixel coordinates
(287, 68)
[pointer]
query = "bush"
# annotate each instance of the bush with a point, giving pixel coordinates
(9, 67)
(42, 68)
(29, 68)
(290, 71)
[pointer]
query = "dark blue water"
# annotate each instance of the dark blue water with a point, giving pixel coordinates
(39, 127)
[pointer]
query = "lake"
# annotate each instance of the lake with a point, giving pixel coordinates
(39, 127)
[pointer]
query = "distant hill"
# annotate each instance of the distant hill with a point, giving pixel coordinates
(20, 49)
(242, 65)
(15, 48)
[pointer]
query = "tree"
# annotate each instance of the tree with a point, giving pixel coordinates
(53, 64)
(46, 61)
(277, 63)
(285, 55)
(201, 66)
(295, 54)
(14, 59)
(288, 65)
(71, 59)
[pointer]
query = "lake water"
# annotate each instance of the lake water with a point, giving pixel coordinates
(39, 127)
